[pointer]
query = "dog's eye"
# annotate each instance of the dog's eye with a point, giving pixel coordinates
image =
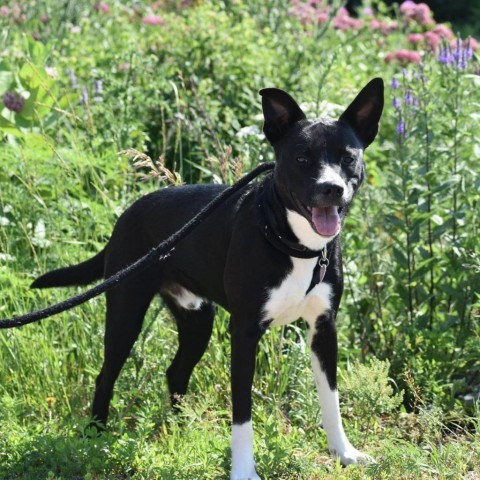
(347, 159)
(302, 160)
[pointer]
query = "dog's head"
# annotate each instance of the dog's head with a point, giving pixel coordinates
(320, 162)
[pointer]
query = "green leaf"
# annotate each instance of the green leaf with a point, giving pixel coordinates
(6, 79)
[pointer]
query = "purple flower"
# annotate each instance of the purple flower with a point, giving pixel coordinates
(13, 101)
(395, 83)
(397, 103)
(409, 99)
(72, 77)
(445, 56)
(401, 128)
(457, 53)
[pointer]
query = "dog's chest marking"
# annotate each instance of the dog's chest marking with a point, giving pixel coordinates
(289, 301)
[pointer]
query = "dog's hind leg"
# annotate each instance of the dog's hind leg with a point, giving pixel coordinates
(194, 332)
(127, 304)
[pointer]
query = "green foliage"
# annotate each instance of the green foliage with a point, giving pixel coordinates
(368, 391)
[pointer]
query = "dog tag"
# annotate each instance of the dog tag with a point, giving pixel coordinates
(319, 271)
(323, 271)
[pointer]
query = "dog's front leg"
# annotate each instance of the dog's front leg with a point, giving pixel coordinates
(244, 348)
(324, 351)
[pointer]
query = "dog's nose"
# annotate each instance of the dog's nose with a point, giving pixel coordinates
(330, 190)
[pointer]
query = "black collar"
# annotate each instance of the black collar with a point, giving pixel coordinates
(274, 225)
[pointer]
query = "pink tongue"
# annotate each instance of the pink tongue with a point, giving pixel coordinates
(326, 220)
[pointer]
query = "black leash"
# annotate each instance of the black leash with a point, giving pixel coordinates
(162, 250)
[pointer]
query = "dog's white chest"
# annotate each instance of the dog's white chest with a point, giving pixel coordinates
(289, 302)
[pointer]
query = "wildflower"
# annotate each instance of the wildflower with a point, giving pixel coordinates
(397, 103)
(368, 12)
(384, 27)
(409, 98)
(343, 21)
(415, 38)
(443, 31)
(401, 129)
(445, 56)
(102, 7)
(419, 13)
(44, 18)
(4, 11)
(403, 56)
(72, 77)
(52, 72)
(13, 101)
(433, 40)
(153, 20)
(347, 23)
(395, 83)
(75, 29)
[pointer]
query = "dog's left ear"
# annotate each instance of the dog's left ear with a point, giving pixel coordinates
(364, 113)
(280, 112)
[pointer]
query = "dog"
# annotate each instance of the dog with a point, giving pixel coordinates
(270, 254)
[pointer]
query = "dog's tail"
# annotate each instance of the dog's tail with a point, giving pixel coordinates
(80, 274)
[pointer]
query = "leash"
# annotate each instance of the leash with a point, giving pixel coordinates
(161, 251)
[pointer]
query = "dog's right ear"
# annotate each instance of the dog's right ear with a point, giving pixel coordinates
(280, 112)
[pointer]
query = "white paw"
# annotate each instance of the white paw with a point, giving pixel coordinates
(351, 455)
(244, 475)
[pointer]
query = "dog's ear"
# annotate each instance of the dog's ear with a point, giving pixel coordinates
(364, 113)
(280, 112)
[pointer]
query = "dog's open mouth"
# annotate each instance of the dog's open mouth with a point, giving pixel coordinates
(325, 220)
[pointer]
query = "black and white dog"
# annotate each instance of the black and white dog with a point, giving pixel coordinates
(262, 255)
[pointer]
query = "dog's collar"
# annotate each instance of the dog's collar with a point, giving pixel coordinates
(286, 246)
(298, 251)
(268, 204)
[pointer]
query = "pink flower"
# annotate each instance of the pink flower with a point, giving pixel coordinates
(443, 31)
(407, 6)
(419, 13)
(153, 20)
(323, 16)
(44, 18)
(423, 14)
(415, 38)
(346, 22)
(385, 28)
(102, 7)
(433, 40)
(389, 57)
(4, 11)
(403, 56)
(472, 43)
